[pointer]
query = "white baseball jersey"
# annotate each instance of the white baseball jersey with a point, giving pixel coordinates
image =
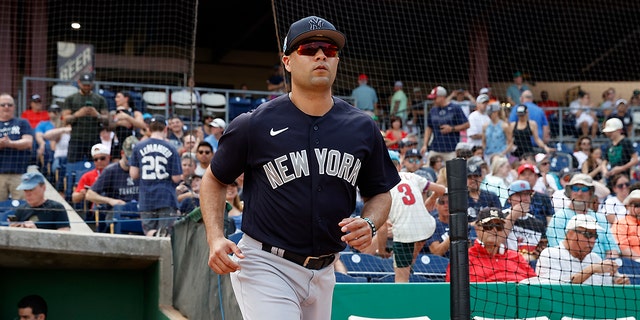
(410, 218)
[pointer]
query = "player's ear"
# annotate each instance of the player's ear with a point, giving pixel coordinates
(285, 62)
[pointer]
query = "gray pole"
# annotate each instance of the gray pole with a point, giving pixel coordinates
(458, 226)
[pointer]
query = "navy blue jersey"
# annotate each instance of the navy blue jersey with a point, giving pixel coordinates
(49, 215)
(486, 199)
(158, 161)
(14, 160)
(301, 172)
(116, 183)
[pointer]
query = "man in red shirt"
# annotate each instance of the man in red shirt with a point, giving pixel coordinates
(101, 158)
(36, 112)
(546, 104)
(489, 258)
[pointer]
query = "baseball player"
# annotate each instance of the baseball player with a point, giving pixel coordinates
(303, 155)
(156, 162)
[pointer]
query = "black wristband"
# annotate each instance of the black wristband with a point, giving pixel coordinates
(373, 226)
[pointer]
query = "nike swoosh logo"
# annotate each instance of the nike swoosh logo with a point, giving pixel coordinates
(277, 132)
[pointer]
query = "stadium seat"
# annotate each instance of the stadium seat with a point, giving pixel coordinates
(366, 265)
(235, 237)
(215, 103)
(61, 91)
(109, 96)
(155, 102)
(561, 161)
(258, 102)
(431, 266)
(7, 208)
(185, 104)
(238, 106)
(345, 278)
(631, 268)
(74, 172)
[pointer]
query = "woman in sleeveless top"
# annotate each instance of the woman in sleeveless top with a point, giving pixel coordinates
(523, 130)
(496, 136)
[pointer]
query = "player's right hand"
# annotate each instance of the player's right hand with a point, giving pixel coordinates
(219, 256)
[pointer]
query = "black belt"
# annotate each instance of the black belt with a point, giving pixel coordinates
(313, 263)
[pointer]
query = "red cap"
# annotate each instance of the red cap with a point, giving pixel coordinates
(526, 166)
(363, 77)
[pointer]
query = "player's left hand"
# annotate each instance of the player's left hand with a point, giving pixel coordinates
(357, 233)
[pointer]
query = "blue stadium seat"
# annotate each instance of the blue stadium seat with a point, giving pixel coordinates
(366, 265)
(110, 97)
(235, 237)
(74, 172)
(561, 160)
(345, 278)
(238, 106)
(563, 147)
(7, 208)
(136, 98)
(431, 266)
(258, 102)
(631, 268)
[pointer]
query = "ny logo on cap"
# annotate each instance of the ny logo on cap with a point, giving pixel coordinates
(316, 24)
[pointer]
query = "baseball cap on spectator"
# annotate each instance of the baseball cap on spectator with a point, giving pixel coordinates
(438, 91)
(463, 145)
(310, 27)
(527, 166)
(86, 78)
(363, 77)
(482, 98)
(54, 107)
(484, 91)
(541, 156)
(30, 180)
(473, 170)
(519, 186)
(394, 155)
(621, 101)
(99, 148)
(612, 125)
(581, 178)
(413, 153)
(636, 92)
(487, 214)
(582, 221)
(398, 84)
(218, 123)
(476, 160)
(158, 118)
(634, 195)
(517, 74)
(128, 145)
(521, 109)
(36, 97)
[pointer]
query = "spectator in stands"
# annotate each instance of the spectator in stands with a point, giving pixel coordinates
(59, 139)
(464, 99)
(536, 114)
(412, 162)
(573, 261)
(489, 259)
(546, 183)
(439, 241)
(191, 199)
(613, 207)
(478, 198)
(580, 191)
(435, 164)
(364, 96)
(101, 158)
(217, 128)
(524, 230)
(411, 222)
(233, 199)
(45, 148)
(39, 212)
(409, 142)
(523, 130)
(189, 162)
(541, 206)
(125, 122)
(204, 130)
(86, 112)
(634, 101)
(593, 165)
(478, 119)
(32, 307)
(445, 121)
(549, 106)
(176, 131)
(585, 118)
(559, 199)
(114, 190)
(607, 107)
(276, 82)
(497, 136)
(189, 143)
(395, 134)
(582, 150)
(499, 178)
(621, 156)
(399, 103)
(204, 154)
(158, 202)
(36, 112)
(417, 109)
(627, 229)
(621, 111)
(16, 143)
(515, 90)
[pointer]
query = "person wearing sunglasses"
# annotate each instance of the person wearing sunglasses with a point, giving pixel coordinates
(524, 230)
(620, 155)
(613, 207)
(581, 193)
(573, 259)
(489, 259)
(305, 155)
(626, 229)
(204, 154)
(101, 158)
(16, 143)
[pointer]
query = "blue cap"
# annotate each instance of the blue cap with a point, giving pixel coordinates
(310, 27)
(519, 186)
(30, 180)
(394, 155)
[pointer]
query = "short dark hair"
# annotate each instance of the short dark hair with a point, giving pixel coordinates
(434, 159)
(35, 302)
(204, 144)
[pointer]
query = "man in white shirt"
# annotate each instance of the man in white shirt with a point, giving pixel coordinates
(477, 119)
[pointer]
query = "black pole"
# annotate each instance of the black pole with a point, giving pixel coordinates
(458, 226)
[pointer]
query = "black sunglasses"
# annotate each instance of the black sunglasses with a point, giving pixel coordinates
(99, 159)
(204, 151)
(489, 226)
(587, 234)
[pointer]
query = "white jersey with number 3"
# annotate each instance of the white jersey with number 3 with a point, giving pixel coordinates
(410, 218)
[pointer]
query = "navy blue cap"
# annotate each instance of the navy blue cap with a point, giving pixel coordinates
(310, 27)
